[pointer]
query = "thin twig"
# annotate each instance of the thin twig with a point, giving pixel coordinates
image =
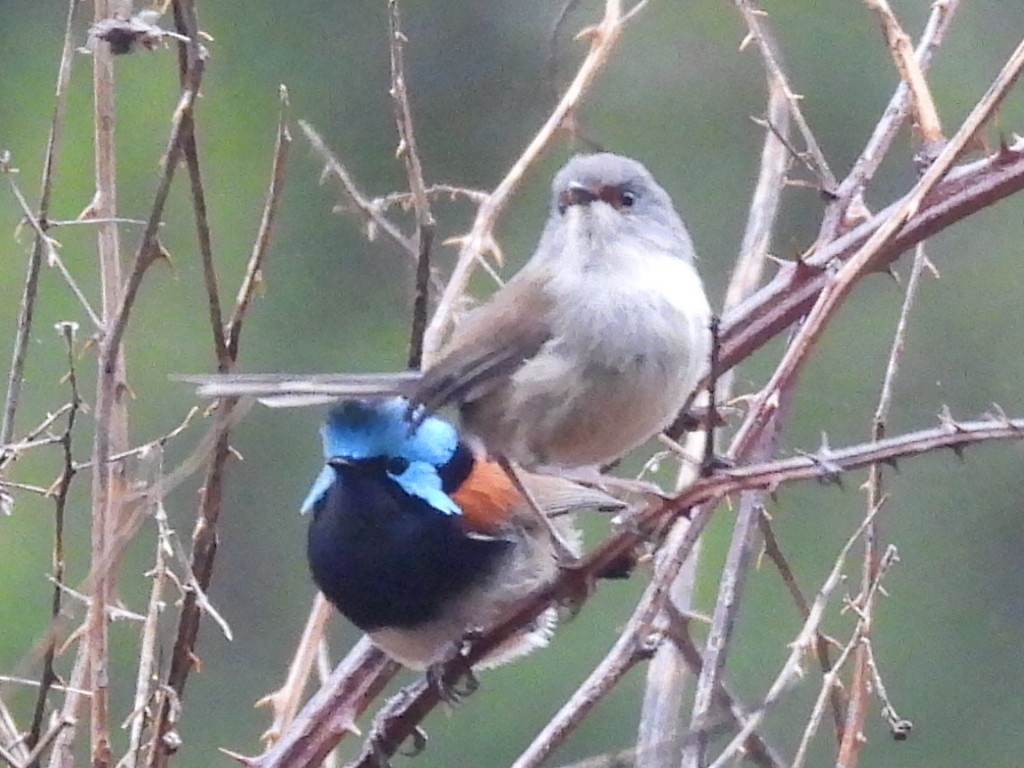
(425, 224)
(49, 675)
(261, 246)
(831, 679)
(899, 727)
(186, 21)
(28, 298)
(284, 702)
(759, 33)
(434, 191)
(859, 686)
(5, 679)
(925, 114)
(146, 676)
(821, 642)
(56, 728)
(46, 244)
(373, 219)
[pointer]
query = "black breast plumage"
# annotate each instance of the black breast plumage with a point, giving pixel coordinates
(385, 558)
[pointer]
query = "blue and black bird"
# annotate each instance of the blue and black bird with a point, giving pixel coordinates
(417, 539)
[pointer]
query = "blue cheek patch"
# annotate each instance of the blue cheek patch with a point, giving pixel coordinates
(422, 481)
(318, 490)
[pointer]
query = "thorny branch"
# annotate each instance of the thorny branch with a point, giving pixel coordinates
(762, 424)
(751, 503)
(111, 432)
(793, 291)
(871, 253)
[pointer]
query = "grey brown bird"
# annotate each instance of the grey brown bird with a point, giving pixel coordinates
(592, 348)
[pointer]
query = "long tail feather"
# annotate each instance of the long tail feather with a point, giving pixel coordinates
(294, 390)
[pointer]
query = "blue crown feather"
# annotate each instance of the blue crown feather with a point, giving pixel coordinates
(358, 429)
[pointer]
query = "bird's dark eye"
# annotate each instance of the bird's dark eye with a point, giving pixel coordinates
(618, 197)
(397, 465)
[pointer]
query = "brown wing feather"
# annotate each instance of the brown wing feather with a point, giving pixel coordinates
(490, 345)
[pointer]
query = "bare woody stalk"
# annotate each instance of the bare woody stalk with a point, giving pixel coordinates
(746, 276)
(111, 434)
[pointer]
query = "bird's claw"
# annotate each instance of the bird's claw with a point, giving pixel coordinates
(453, 685)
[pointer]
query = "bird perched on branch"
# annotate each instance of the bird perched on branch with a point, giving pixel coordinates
(417, 540)
(592, 348)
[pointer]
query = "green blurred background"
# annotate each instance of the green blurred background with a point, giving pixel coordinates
(677, 95)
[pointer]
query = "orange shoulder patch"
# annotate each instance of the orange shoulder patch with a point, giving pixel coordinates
(486, 497)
